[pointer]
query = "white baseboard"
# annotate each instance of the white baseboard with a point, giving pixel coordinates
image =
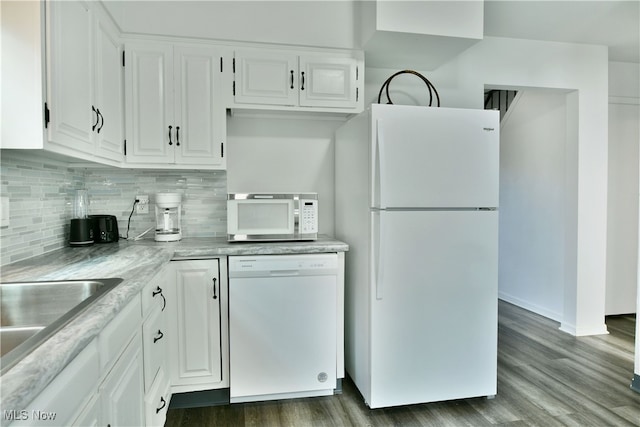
(553, 315)
(542, 311)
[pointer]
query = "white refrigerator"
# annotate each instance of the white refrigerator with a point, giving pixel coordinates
(416, 200)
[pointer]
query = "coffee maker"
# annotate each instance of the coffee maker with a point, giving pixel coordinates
(80, 228)
(168, 217)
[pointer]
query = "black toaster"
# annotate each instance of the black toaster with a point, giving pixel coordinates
(105, 228)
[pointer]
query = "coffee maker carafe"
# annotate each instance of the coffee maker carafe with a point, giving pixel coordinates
(80, 228)
(168, 217)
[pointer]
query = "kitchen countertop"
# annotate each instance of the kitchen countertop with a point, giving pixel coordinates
(136, 263)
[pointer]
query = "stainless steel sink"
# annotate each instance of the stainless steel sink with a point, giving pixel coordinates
(33, 311)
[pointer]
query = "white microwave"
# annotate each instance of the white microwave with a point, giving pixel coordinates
(269, 217)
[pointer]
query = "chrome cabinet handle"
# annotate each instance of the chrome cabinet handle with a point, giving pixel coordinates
(291, 79)
(158, 337)
(215, 280)
(302, 83)
(178, 136)
(170, 142)
(158, 291)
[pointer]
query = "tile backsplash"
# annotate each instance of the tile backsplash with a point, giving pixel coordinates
(204, 194)
(41, 191)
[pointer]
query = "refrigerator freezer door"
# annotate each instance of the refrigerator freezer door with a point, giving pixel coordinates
(434, 157)
(433, 331)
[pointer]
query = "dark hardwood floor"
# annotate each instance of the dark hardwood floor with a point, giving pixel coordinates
(545, 378)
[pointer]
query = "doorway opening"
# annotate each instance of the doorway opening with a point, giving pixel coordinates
(538, 200)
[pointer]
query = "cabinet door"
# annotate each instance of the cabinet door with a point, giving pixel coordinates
(149, 103)
(328, 82)
(70, 75)
(90, 415)
(109, 90)
(266, 78)
(195, 343)
(67, 396)
(154, 338)
(199, 115)
(121, 393)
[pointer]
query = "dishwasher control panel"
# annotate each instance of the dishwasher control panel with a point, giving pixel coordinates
(303, 264)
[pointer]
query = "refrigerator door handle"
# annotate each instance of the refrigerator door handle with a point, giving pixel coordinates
(378, 167)
(378, 252)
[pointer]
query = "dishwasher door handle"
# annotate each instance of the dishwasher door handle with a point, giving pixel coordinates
(284, 272)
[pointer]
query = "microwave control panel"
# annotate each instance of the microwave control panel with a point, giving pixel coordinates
(308, 216)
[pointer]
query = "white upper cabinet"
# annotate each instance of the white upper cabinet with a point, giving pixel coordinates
(72, 88)
(329, 82)
(149, 102)
(173, 112)
(199, 111)
(109, 90)
(72, 112)
(21, 79)
(265, 78)
(285, 80)
(84, 90)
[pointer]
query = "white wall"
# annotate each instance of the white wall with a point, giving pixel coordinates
(624, 98)
(622, 241)
(284, 153)
(429, 33)
(532, 195)
(304, 23)
(624, 135)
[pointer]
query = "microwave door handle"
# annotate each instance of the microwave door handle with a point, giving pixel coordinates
(264, 196)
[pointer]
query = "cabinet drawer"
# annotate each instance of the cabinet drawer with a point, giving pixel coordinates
(153, 345)
(154, 294)
(156, 401)
(58, 398)
(118, 333)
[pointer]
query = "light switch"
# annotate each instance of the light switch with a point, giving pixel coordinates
(4, 211)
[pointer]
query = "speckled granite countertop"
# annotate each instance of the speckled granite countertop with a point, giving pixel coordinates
(136, 263)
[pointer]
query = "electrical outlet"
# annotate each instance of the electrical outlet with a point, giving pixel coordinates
(142, 207)
(4, 212)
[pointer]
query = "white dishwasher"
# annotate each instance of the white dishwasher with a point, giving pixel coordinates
(282, 326)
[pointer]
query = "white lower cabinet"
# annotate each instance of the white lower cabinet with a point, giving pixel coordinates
(90, 415)
(121, 393)
(154, 337)
(198, 331)
(156, 401)
(103, 385)
(55, 405)
(154, 344)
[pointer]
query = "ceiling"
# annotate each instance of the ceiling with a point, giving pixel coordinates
(613, 23)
